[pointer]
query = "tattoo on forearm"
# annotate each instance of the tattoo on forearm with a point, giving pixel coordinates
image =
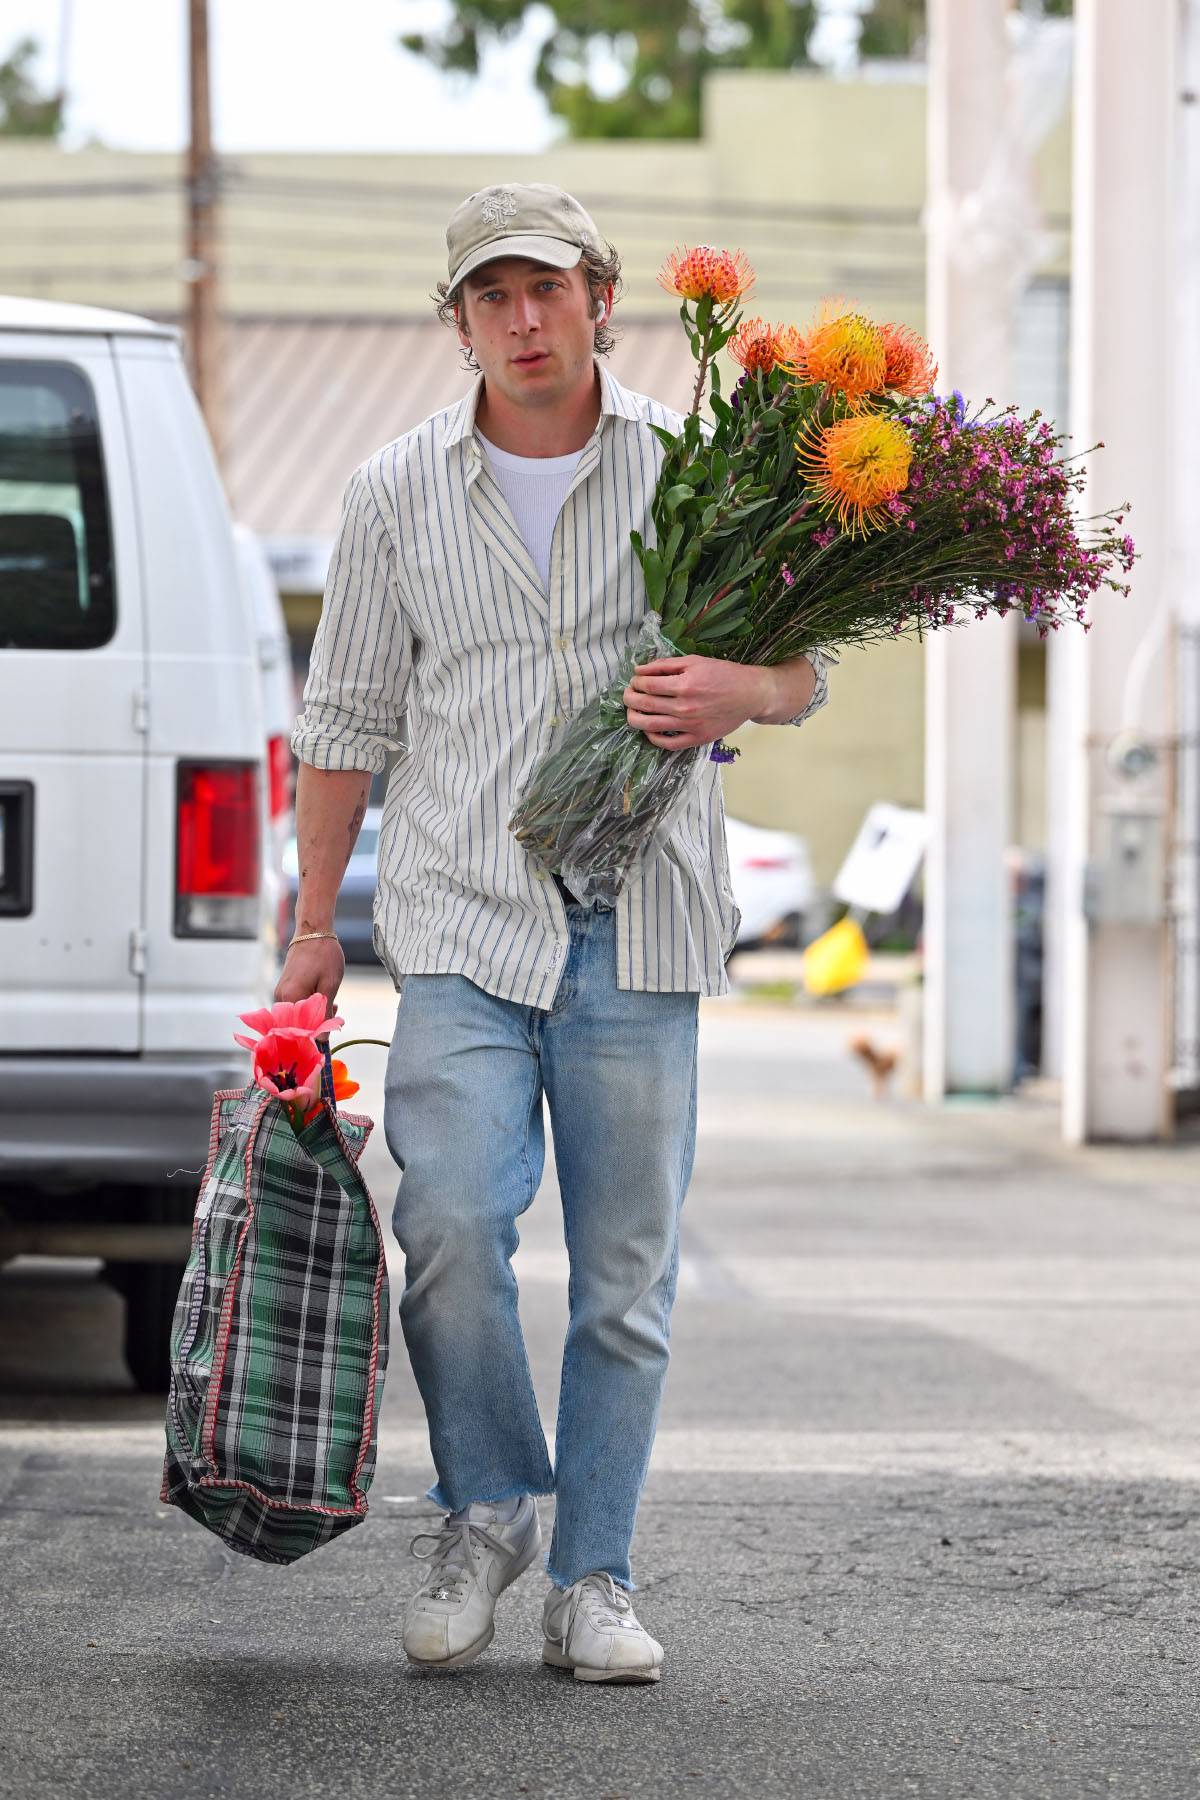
(315, 854)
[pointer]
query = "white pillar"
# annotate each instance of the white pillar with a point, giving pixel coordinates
(1116, 975)
(1058, 742)
(971, 669)
(1185, 558)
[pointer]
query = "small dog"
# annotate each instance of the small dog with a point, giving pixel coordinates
(881, 1062)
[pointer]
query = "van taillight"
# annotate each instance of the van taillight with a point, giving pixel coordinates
(279, 775)
(217, 856)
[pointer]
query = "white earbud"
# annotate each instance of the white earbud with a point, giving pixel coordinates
(602, 314)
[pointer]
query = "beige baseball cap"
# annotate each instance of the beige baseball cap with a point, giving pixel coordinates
(530, 219)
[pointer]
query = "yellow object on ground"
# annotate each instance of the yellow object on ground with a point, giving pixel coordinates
(837, 959)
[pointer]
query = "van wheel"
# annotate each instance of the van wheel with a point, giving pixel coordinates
(149, 1291)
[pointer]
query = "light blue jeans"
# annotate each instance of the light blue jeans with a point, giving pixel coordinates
(464, 1121)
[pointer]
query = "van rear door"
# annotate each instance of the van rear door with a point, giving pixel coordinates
(72, 718)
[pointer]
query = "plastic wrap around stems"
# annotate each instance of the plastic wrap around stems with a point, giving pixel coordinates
(599, 806)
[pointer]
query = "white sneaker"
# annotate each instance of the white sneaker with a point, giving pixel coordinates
(475, 1556)
(591, 1627)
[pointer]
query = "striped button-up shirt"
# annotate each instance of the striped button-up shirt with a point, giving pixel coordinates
(435, 617)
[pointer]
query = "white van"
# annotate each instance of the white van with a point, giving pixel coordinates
(261, 597)
(133, 801)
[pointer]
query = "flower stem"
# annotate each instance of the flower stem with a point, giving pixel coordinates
(349, 1044)
(702, 371)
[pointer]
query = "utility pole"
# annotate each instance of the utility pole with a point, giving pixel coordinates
(64, 51)
(201, 265)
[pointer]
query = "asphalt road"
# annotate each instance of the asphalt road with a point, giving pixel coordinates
(922, 1518)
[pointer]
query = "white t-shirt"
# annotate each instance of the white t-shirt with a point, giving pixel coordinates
(535, 488)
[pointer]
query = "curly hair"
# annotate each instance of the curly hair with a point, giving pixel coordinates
(601, 268)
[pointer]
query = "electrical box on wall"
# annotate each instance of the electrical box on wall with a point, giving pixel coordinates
(1127, 881)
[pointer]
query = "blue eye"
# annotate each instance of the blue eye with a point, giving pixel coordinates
(490, 293)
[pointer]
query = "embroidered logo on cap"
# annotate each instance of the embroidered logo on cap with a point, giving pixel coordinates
(500, 207)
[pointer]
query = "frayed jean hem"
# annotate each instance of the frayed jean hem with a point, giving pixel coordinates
(561, 1582)
(438, 1495)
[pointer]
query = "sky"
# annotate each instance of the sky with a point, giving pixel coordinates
(307, 76)
(338, 83)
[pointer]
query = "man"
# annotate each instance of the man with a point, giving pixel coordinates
(483, 583)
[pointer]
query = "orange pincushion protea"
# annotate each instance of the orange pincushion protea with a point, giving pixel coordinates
(846, 351)
(705, 273)
(910, 366)
(856, 467)
(753, 345)
(760, 347)
(790, 340)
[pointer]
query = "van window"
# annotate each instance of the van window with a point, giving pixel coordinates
(56, 575)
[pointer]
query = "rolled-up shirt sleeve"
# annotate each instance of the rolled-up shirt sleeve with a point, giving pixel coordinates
(820, 660)
(362, 656)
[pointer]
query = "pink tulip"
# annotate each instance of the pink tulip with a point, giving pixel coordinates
(289, 1018)
(288, 1065)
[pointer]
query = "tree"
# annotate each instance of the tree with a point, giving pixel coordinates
(24, 112)
(656, 57)
(897, 27)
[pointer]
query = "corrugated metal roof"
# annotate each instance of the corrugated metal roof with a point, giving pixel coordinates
(306, 401)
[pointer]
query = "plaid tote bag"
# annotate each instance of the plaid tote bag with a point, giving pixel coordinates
(279, 1339)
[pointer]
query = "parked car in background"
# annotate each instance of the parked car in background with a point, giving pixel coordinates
(356, 896)
(770, 871)
(274, 651)
(133, 802)
(772, 878)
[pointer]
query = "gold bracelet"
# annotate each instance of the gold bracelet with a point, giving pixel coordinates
(305, 936)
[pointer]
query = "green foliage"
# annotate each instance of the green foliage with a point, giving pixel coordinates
(24, 112)
(896, 28)
(893, 28)
(665, 51)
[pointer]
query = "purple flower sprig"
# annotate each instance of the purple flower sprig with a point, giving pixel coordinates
(989, 521)
(993, 503)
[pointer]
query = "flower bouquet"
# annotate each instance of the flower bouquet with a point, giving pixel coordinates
(836, 499)
(279, 1339)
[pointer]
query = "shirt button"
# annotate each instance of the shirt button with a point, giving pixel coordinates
(556, 720)
(562, 640)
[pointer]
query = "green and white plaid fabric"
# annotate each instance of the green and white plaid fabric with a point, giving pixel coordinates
(279, 1341)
